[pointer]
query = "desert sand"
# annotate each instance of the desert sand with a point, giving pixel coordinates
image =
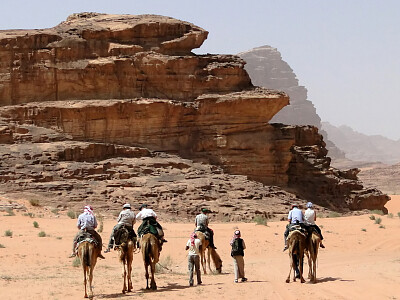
(361, 261)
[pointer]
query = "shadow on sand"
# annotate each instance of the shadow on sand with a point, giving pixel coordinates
(327, 279)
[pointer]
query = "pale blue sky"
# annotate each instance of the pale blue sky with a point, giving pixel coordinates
(346, 52)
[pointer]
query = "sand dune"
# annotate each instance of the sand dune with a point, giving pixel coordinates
(361, 261)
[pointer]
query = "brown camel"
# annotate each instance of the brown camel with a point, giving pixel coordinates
(297, 243)
(313, 243)
(87, 253)
(211, 252)
(126, 257)
(150, 247)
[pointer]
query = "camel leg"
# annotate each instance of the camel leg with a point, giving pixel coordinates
(203, 261)
(301, 258)
(90, 281)
(309, 258)
(130, 273)
(124, 276)
(84, 279)
(147, 275)
(290, 270)
(208, 258)
(153, 282)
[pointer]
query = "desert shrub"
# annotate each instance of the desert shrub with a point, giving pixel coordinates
(390, 216)
(372, 217)
(376, 212)
(398, 214)
(363, 229)
(42, 234)
(10, 212)
(2, 246)
(333, 214)
(31, 215)
(71, 214)
(76, 262)
(378, 221)
(8, 233)
(382, 226)
(260, 220)
(36, 224)
(164, 264)
(34, 202)
(55, 211)
(59, 238)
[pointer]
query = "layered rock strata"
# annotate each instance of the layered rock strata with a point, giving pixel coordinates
(57, 83)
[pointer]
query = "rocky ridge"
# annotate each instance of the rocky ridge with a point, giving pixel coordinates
(267, 69)
(99, 87)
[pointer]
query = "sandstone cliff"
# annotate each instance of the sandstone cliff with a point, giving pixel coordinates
(129, 86)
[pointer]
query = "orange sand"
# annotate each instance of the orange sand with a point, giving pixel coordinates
(356, 264)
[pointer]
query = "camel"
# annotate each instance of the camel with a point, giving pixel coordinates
(126, 257)
(211, 252)
(150, 247)
(297, 243)
(87, 253)
(313, 243)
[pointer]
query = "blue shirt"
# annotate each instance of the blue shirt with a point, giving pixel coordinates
(295, 215)
(87, 221)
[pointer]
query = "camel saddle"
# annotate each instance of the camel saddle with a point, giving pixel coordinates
(85, 236)
(299, 228)
(204, 230)
(123, 235)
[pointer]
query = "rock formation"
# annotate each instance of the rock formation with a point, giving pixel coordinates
(127, 88)
(267, 69)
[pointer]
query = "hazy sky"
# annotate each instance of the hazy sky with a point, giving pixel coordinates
(345, 52)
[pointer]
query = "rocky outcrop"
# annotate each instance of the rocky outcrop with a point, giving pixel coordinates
(267, 69)
(103, 87)
(98, 56)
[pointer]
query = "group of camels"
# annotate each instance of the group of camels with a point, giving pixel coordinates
(150, 249)
(299, 244)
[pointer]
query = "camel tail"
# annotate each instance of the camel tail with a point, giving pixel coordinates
(216, 259)
(86, 255)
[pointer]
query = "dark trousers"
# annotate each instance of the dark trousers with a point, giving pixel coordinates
(115, 229)
(194, 263)
(316, 227)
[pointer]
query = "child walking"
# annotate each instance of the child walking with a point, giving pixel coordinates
(237, 254)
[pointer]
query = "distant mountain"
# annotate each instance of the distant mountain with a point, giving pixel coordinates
(267, 69)
(362, 147)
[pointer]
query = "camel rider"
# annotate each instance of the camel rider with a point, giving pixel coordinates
(201, 223)
(125, 219)
(309, 219)
(295, 217)
(149, 223)
(87, 222)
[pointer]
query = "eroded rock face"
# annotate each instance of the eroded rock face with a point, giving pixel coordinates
(57, 85)
(99, 56)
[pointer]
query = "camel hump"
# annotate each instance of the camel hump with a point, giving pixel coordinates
(296, 232)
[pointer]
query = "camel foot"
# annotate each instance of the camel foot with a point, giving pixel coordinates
(147, 288)
(288, 280)
(302, 280)
(123, 291)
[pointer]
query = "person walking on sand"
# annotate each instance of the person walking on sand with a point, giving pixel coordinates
(194, 247)
(309, 219)
(237, 254)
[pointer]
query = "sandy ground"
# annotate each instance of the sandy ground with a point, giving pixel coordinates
(361, 261)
